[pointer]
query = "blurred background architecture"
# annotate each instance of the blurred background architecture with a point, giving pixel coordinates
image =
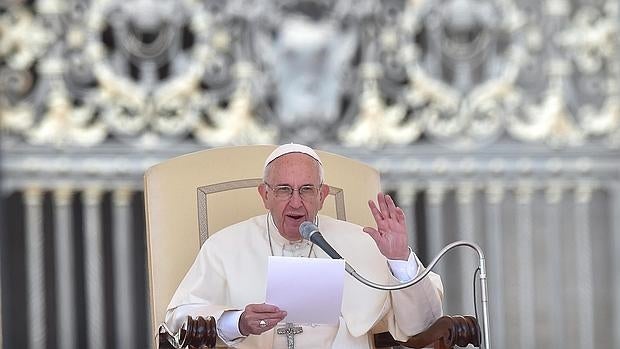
(494, 121)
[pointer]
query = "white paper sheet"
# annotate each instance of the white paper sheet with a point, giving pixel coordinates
(308, 289)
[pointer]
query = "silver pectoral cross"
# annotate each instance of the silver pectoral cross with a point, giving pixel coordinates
(290, 333)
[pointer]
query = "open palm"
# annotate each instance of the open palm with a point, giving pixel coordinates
(391, 232)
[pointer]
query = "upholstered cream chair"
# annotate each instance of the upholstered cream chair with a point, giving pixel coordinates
(190, 197)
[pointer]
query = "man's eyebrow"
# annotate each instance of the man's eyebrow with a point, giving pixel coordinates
(288, 185)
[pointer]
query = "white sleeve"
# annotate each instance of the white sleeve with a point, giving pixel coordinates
(404, 270)
(228, 326)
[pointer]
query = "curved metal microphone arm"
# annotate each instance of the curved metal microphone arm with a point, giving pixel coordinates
(422, 275)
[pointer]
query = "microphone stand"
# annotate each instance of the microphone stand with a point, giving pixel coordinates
(483, 282)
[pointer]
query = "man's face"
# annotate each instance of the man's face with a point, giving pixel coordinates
(295, 170)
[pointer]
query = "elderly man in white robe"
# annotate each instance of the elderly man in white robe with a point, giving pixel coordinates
(228, 278)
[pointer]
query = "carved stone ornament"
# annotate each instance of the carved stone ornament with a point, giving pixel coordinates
(462, 73)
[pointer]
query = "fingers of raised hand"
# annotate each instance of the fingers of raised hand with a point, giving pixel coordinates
(374, 234)
(375, 211)
(387, 213)
(394, 212)
(383, 205)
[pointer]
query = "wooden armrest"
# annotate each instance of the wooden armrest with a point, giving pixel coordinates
(197, 333)
(444, 333)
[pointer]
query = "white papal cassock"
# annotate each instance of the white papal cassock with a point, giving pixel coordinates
(231, 268)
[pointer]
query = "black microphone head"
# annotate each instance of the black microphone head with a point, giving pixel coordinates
(306, 229)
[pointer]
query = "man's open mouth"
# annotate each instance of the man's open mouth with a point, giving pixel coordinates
(296, 216)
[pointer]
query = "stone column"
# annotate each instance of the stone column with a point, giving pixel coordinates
(465, 194)
(583, 259)
(525, 258)
(93, 256)
(495, 264)
(65, 264)
(615, 255)
(553, 241)
(1, 222)
(435, 239)
(435, 199)
(37, 335)
(124, 288)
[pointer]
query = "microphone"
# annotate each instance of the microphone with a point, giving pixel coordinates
(310, 231)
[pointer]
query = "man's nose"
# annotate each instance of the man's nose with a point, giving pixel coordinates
(295, 200)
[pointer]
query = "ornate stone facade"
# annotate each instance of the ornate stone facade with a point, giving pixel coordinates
(481, 114)
(459, 73)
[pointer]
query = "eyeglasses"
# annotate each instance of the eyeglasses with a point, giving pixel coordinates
(285, 192)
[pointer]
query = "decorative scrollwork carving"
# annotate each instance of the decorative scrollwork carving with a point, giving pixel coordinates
(462, 73)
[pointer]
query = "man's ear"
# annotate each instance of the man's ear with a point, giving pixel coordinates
(262, 191)
(323, 193)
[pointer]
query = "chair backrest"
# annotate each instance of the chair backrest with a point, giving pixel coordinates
(190, 197)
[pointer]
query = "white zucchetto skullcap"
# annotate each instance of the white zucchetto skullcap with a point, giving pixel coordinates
(292, 148)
